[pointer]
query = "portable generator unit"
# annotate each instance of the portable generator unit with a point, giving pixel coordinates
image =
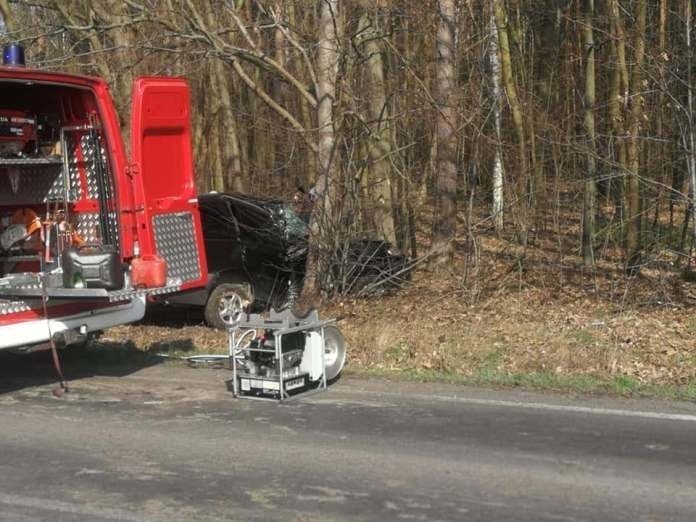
(282, 357)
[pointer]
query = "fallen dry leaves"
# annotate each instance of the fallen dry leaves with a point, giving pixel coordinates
(512, 311)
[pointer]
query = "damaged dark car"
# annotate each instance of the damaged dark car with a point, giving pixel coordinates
(257, 250)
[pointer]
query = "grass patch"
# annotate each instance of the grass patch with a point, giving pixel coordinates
(399, 353)
(582, 337)
(691, 325)
(691, 361)
(621, 385)
(626, 385)
(493, 358)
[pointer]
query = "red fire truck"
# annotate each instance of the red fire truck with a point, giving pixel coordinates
(88, 231)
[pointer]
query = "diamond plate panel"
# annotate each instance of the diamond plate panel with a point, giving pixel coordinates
(87, 226)
(88, 149)
(28, 181)
(175, 240)
(57, 189)
(90, 159)
(28, 184)
(173, 285)
(13, 307)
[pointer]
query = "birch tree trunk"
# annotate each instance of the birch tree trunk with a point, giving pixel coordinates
(517, 116)
(691, 140)
(327, 71)
(445, 218)
(494, 59)
(589, 200)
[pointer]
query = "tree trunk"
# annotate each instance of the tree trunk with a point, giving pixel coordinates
(659, 146)
(691, 138)
(517, 116)
(327, 72)
(445, 218)
(588, 209)
(215, 174)
(633, 240)
(494, 58)
(123, 59)
(229, 149)
(379, 141)
(6, 13)
(618, 86)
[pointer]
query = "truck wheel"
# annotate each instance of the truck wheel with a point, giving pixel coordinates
(334, 352)
(226, 305)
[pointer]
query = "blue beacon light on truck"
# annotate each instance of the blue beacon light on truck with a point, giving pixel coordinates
(13, 54)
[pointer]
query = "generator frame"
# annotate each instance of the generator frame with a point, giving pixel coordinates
(274, 388)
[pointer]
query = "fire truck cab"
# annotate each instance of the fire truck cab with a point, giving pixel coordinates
(87, 232)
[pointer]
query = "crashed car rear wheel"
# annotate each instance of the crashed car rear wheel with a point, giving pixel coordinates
(226, 305)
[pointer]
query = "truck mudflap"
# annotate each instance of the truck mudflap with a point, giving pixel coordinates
(28, 333)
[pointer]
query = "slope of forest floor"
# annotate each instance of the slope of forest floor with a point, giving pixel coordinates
(504, 315)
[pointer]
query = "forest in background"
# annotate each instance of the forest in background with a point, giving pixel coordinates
(433, 124)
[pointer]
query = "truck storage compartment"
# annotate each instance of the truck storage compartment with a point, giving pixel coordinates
(57, 191)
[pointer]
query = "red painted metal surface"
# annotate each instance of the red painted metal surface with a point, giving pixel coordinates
(162, 160)
(28, 74)
(116, 153)
(159, 179)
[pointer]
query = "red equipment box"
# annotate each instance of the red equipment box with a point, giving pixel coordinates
(17, 131)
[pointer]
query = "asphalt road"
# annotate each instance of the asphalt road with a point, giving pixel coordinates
(169, 443)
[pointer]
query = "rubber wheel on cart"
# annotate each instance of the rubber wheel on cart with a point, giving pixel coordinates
(334, 352)
(226, 305)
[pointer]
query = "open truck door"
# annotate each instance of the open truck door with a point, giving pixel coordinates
(167, 219)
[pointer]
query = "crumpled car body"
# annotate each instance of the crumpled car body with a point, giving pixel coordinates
(262, 244)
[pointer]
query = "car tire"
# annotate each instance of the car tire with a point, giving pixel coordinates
(226, 305)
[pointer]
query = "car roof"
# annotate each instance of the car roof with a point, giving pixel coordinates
(248, 210)
(240, 197)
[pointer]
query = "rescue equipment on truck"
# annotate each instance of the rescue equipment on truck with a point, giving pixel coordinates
(21, 225)
(92, 266)
(17, 132)
(148, 271)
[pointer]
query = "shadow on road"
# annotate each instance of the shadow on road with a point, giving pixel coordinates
(172, 316)
(108, 358)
